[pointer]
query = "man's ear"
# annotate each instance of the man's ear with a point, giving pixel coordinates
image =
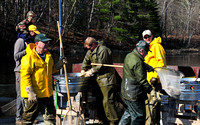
(36, 43)
(142, 51)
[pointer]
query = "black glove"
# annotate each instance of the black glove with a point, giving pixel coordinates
(60, 63)
(64, 60)
(153, 80)
(149, 68)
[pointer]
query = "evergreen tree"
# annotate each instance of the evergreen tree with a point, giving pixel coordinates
(126, 19)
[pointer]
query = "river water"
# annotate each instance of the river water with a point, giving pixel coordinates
(8, 64)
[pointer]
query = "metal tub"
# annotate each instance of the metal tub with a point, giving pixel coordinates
(190, 80)
(189, 95)
(75, 82)
(186, 91)
(184, 86)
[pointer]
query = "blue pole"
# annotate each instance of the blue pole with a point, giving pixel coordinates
(60, 22)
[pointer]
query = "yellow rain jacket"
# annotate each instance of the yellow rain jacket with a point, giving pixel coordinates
(155, 58)
(37, 72)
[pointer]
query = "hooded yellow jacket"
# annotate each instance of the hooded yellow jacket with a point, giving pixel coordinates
(37, 72)
(155, 58)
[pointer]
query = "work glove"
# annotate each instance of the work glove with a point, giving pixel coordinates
(82, 73)
(32, 97)
(60, 63)
(89, 73)
(154, 97)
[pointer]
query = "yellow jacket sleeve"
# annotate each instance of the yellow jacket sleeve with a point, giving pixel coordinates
(156, 57)
(26, 71)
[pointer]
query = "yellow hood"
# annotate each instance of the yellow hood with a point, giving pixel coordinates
(30, 47)
(156, 40)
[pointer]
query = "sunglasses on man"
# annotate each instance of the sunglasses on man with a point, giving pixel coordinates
(146, 36)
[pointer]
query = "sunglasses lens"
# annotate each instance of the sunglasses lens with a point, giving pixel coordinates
(146, 37)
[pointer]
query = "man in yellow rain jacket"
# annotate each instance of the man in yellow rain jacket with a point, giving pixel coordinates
(156, 57)
(37, 67)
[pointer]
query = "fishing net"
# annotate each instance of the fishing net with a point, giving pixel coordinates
(73, 118)
(170, 80)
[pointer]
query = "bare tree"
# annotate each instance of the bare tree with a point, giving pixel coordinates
(180, 18)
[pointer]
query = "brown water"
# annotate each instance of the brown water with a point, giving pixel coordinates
(184, 60)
